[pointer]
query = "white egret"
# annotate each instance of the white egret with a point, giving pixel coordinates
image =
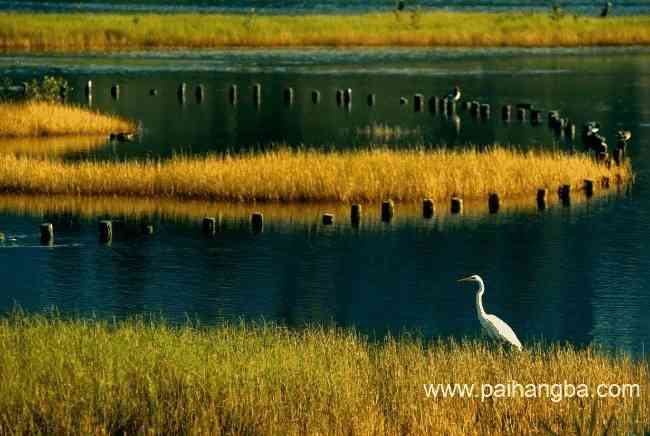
(454, 94)
(493, 325)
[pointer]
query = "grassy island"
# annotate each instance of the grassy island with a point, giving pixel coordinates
(34, 118)
(288, 175)
(414, 28)
(141, 377)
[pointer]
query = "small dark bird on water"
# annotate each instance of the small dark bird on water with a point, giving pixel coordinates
(606, 8)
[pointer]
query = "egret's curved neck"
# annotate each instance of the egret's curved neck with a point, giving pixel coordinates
(479, 299)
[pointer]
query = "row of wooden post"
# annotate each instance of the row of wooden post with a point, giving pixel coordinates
(209, 224)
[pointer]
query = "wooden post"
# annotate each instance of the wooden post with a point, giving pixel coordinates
(88, 90)
(47, 234)
(355, 215)
(328, 219)
(209, 225)
(115, 91)
(564, 193)
(485, 110)
(371, 100)
(315, 96)
(475, 108)
(535, 117)
(200, 93)
(434, 104)
(182, 88)
(456, 205)
(105, 231)
(570, 130)
(257, 94)
(153, 92)
(617, 154)
(521, 114)
(339, 97)
(257, 222)
(403, 101)
(387, 210)
(288, 96)
(467, 105)
(427, 208)
(542, 195)
(506, 112)
(418, 102)
(347, 96)
(589, 188)
(147, 229)
(552, 116)
(233, 94)
(493, 203)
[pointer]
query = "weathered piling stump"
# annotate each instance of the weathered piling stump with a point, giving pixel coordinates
(542, 197)
(589, 187)
(371, 100)
(387, 210)
(494, 202)
(506, 112)
(199, 93)
(115, 91)
(475, 108)
(233, 94)
(355, 215)
(450, 107)
(552, 117)
(257, 222)
(485, 111)
(521, 114)
(257, 94)
(315, 96)
(570, 130)
(456, 205)
(403, 101)
(467, 105)
(105, 231)
(153, 92)
(47, 233)
(535, 117)
(418, 102)
(339, 97)
(604, 182)
(434, 104)
(209, 225)
(347, 96)
(181, 92)
(288, 96)
(147, 229)
(88, 90)
(328, 219)
(564, 192)
(427, 208)
(617, 155)
(526, 106)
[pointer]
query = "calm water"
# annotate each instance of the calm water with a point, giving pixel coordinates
(575, 274)
(622, 7)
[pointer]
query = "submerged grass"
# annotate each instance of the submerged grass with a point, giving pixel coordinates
(25, 119)
(40, 31)
(309, 175)
(147, 377)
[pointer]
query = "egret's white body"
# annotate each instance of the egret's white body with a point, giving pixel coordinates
(494, 326)
(454, 94)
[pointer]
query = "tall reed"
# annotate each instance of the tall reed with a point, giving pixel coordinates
(310, 175)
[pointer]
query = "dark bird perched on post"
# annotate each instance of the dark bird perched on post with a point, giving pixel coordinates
(454, 94)
(606, 8)
(592, 140)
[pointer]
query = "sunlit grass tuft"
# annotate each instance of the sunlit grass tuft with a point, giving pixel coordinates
(54, 119)
(142, 376)
(309, 175)
(39, 31)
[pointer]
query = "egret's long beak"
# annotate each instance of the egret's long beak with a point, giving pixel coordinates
(466, 279)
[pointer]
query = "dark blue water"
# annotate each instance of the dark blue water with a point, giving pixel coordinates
(621, 7)
(574, 274)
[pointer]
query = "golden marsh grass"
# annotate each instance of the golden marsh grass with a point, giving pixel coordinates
(143, 376)
(50, 146)
(39, 31)
(53, 119)
(308, 175)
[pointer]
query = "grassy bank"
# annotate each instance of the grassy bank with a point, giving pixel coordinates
(83, 377)
(53, 119)
(35, 31)
(285, 175)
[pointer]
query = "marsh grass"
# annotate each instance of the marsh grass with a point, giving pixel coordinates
(54, 119)
(309, 175)
(144, 376)
(34, 31)
(51, 146)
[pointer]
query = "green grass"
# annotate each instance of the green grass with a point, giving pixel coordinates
(147, 377)
(34, 31)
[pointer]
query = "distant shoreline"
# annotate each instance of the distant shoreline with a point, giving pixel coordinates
(74, 32)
